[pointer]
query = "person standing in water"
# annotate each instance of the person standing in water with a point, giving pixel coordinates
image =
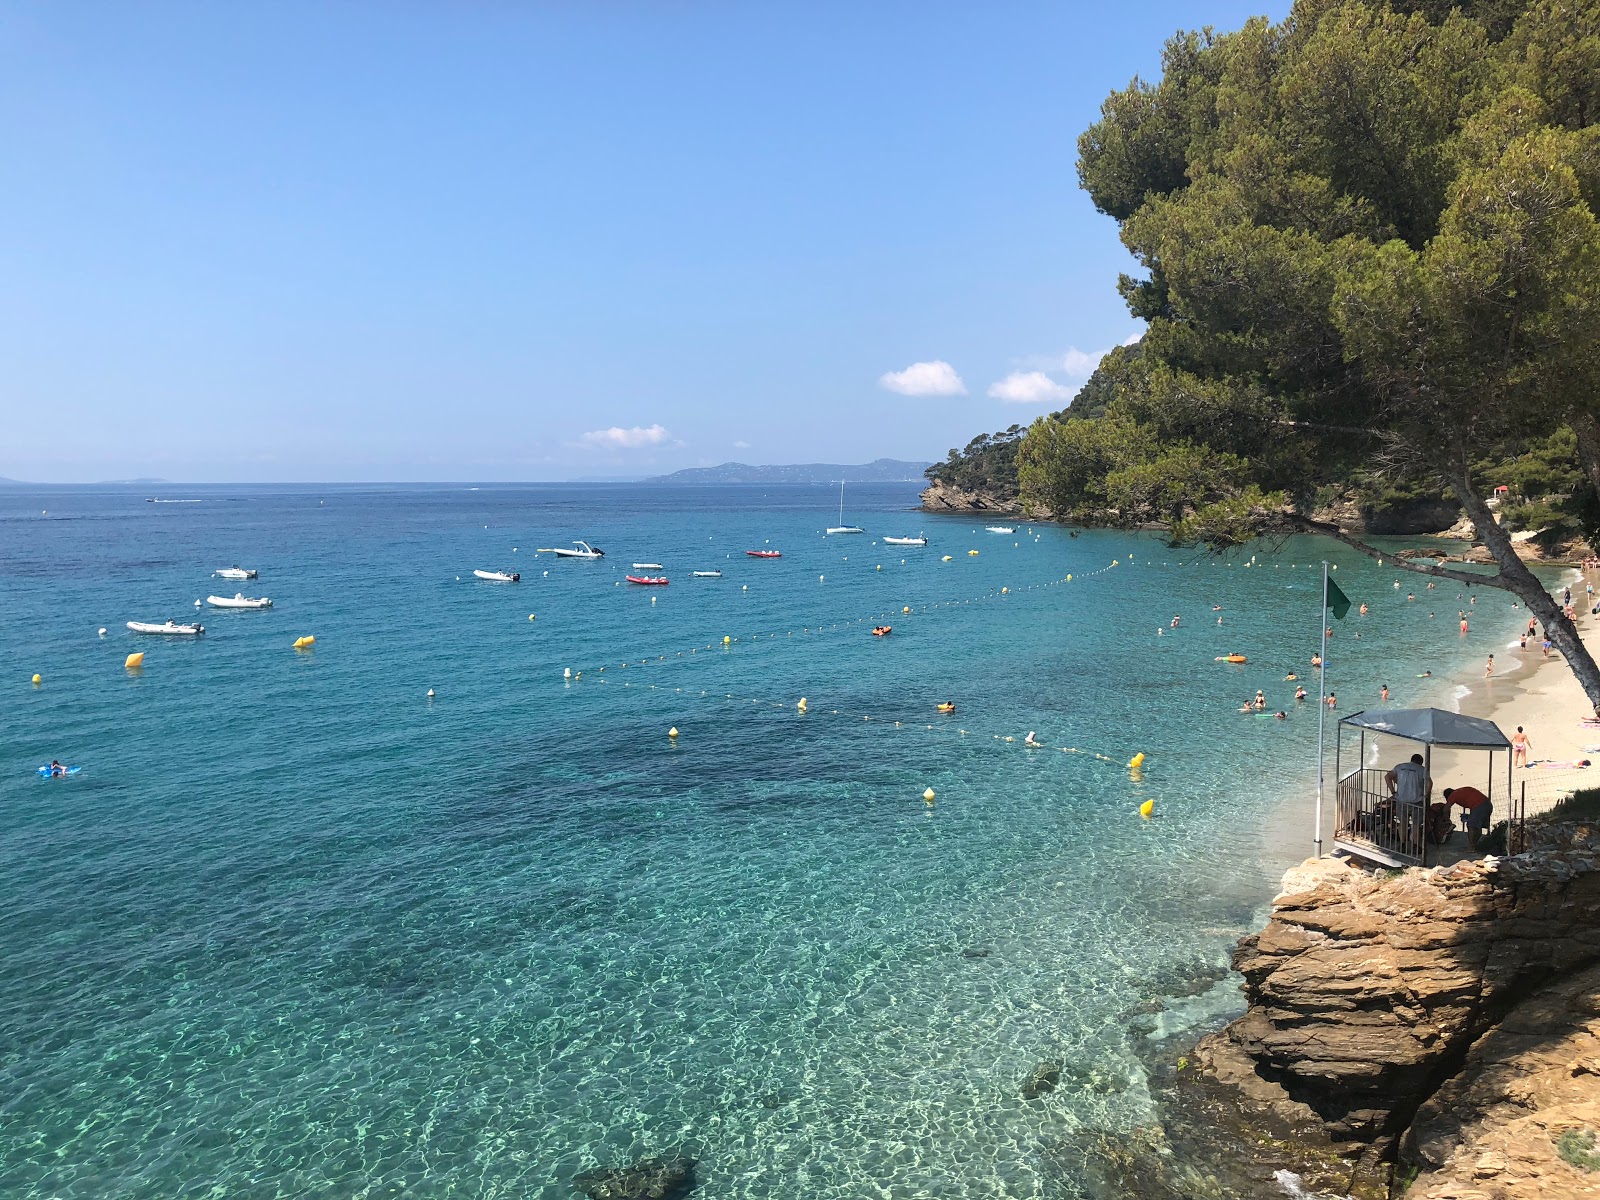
(1383, 694)
(1488, 667)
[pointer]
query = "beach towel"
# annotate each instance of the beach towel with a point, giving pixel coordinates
(1548, 764)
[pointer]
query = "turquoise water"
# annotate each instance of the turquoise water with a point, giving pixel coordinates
(297, 930)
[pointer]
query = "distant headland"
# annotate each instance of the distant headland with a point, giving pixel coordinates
(883, 470)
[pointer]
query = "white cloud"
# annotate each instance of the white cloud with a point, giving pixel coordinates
(1079, 365)
(741, 444)
(936, 378)
(617, 438)
(1029, 387)
(1133, 338)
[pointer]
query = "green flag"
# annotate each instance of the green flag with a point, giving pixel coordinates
(1336, 601)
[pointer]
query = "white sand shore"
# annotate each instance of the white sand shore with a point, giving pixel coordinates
(1539, 694)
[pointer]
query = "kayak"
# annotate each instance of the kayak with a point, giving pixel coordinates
(648, 580)
(238, 600)
(498, 576)
(45, 772)
(168, 627)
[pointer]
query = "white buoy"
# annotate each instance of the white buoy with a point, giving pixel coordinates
(102, 631)
(430, 693)
(567, 674)
(531, 616)
(197, 604)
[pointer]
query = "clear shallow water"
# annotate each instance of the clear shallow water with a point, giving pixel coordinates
(295, 930)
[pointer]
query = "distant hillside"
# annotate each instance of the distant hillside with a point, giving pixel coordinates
(884, 470)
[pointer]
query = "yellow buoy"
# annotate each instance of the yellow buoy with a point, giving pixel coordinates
(530, 616)
(1137, 761)
(974, 553)
(1069, 576)
(304, 643)
(928, 795)
(726, 639)
(134, 661)
(1145, 809)
(37, 680)
(946, 558)
(802, 705)
(880, 566)
(673, 732)
(906, 609)
(1005, 591)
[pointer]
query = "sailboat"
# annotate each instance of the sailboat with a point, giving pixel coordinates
(841, 527)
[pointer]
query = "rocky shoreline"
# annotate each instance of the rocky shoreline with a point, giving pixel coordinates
(1431, 1032)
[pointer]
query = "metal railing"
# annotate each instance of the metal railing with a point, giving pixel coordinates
(1370, 818)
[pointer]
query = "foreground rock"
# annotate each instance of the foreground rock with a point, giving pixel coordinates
(1366, 991)
(647, 1179)
(1041, 1081)
(1530, 1090)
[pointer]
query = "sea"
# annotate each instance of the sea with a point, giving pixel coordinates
(439, 905)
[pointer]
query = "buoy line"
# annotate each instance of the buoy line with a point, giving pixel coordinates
(803, 708)
(1004, 592)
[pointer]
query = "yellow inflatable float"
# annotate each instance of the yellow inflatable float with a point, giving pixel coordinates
(1232, 658)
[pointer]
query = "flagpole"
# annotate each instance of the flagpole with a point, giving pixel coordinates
(1322, 698)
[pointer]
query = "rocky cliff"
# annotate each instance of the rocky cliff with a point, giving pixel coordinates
(940, 496)
(1401, 1010)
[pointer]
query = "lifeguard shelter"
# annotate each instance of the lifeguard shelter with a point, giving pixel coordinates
(1371, 822)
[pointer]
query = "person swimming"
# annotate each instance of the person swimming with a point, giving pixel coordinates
(1299, 693)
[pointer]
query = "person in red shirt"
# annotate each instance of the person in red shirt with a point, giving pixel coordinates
(1479, 808)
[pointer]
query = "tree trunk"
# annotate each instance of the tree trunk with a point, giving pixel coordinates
(1587, 429)
(1516, 577)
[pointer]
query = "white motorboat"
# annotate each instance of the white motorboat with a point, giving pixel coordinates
(706, 574)
(648, 567)
(894, 541)
(841, 527)
(1000, 528)
(238, 600)
(580, 550)
(498, 576)
(235, 573)
(170, 627)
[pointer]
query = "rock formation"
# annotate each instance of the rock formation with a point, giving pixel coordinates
(1530, 1090)
(1461, 1003)
(944, 497)
(646, 1179)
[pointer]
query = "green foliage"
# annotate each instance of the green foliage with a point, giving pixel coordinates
(1371, 261)
(988, 464)
(1576, 1146)
(1582, 805)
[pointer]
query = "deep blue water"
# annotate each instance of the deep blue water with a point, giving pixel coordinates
(297, 930)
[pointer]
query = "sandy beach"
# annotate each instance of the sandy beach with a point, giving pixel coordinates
(1541, 695)
(1526, 689)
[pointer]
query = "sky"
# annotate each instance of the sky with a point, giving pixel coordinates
(480, 240)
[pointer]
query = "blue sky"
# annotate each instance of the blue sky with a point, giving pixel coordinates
(497, 241)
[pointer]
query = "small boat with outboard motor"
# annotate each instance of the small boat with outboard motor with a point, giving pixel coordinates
(577, 550)
(238, 600)
(706, 574)
(764, 553)
(894, 541)
(498, 576)
(169, 626)
(648, 580)
(235, 573)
